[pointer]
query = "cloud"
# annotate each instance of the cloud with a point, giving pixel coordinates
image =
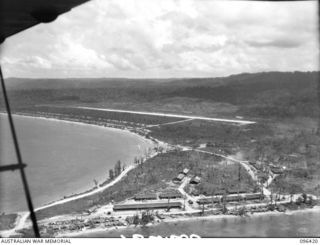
(168, 38)
(278, 43)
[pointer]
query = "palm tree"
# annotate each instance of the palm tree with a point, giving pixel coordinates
(261, 189)
(224, 201)
(239, 173)
(95, 182)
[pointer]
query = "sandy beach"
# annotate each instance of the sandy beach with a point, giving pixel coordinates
(125, 130)
(129, 166)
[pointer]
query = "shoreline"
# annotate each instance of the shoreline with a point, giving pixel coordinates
(109, 127)
(23, 215)
(213, 218)
(53, 119)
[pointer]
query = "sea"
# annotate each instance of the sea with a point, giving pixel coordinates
(304, 223)
(63, 158)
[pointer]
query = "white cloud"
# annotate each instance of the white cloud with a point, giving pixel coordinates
(167, 38)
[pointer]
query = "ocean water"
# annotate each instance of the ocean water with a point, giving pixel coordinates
(292, 224)
(63, 158)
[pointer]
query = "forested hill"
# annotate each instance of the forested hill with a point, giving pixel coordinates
(243, 88)
(264, 80)
(77, 83)
(267, 94)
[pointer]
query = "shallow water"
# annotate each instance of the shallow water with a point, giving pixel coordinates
(299, 224)
(63, 158)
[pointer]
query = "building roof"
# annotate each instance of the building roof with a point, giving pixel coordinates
(233, 198)
(179, 177)
(195, 180)
(208, 200)
(143, 196)
(185, 171)
(276, 169)
(170, 194)
(157, 205)
(253, 196)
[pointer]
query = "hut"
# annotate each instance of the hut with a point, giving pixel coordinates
(170, 194)
(195, 180)
(253, 196)
(145, 196)
(276, 169)
(179, 178)
(185, 171)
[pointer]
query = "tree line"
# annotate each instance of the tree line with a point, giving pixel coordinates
(117, 170)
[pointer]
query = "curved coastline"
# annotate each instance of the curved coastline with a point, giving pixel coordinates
(21, 220)
(78, 123)
(107, 184)
(216, 218)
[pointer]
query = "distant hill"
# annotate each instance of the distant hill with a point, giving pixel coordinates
(264, 80)
(266, 94)
(245, 87)
(78, 83)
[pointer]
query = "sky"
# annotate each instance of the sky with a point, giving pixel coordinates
(167, 38)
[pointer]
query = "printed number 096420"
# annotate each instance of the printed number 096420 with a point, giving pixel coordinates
(309, 240)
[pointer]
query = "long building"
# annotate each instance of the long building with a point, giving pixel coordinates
(147, 206)
(170, 194)
(208, 200)
(254, 196)
(231, 198)
(145, 196)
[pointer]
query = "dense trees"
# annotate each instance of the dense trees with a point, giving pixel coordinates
(117, 168)
(111, 174)
(222, 177)
(116, 171)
